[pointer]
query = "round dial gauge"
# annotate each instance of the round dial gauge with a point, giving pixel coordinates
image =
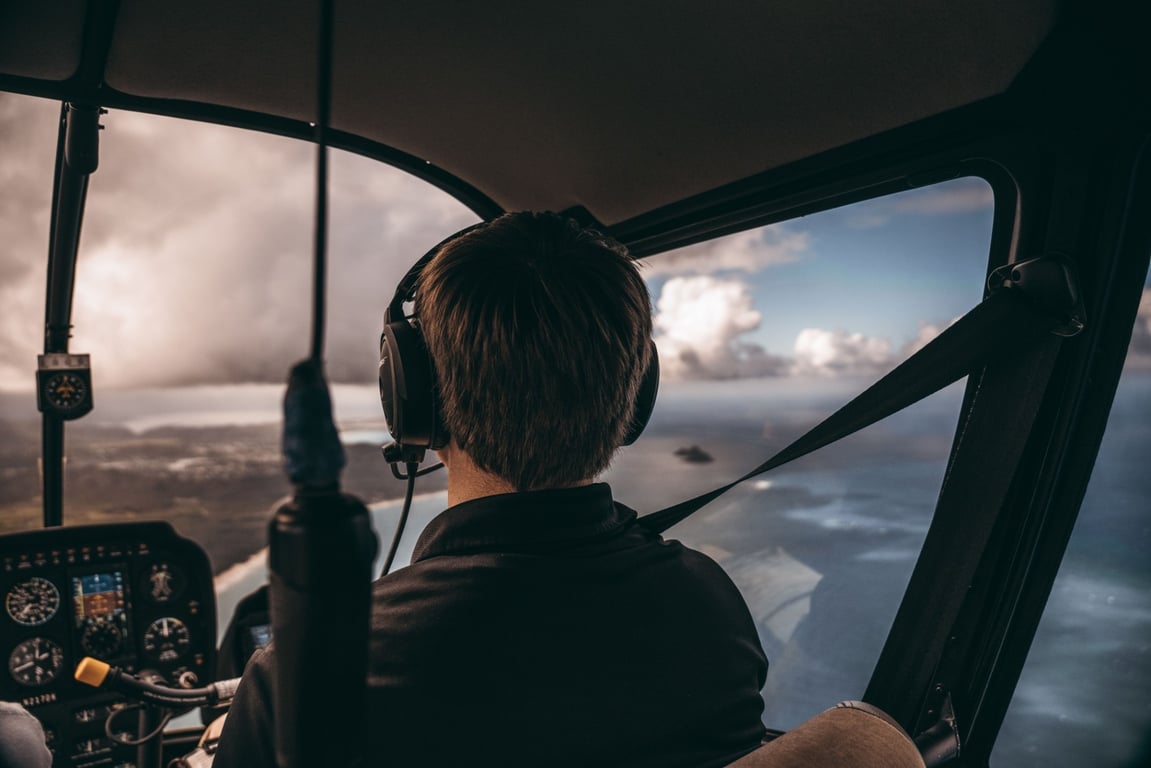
(166, 639)
(32, 602)
(35, 662)
(65, 391)
(101, 639)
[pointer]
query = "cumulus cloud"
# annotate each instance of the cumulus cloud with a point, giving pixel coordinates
(699, 321)
(702, 322)
(840, 353)
(748, 251)
(195, 261)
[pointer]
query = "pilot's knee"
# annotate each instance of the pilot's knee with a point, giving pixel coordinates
(22, 742)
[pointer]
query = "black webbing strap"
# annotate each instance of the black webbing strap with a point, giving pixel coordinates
(998, 421)
(1008, 320)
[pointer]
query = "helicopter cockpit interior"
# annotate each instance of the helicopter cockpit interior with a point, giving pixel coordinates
(901, 248)
(134, 595)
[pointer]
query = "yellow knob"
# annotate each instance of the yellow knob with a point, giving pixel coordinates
(91, 671)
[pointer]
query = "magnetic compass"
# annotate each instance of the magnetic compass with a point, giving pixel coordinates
(65, 391)
(64, 385)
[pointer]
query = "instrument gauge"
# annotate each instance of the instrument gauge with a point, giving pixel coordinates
(166, 639)
(32, 602)
(101, 638)
(35, 662)
(163, 582)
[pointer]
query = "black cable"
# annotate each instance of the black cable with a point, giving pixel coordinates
(133, 742)
(323, 117)
(412, 475)
(396, 454)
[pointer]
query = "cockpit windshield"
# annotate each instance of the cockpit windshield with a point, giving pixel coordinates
(192, 298)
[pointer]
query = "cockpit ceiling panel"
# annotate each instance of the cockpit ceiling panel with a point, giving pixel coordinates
(41, 40)
(619, 107)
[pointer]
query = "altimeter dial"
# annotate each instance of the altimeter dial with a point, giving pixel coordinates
(166, 639)
(35, 662)
(32, 602)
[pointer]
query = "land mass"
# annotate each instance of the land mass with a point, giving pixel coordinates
(216, 485)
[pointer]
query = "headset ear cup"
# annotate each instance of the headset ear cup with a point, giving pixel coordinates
(645, 399)
(408, 389)
(390, 383)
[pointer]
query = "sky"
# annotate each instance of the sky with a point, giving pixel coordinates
(195, 264)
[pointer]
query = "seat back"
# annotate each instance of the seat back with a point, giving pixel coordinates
(851, 734)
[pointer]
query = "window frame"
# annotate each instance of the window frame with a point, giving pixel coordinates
(1052, 195)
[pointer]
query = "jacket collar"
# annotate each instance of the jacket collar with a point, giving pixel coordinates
(532, 522)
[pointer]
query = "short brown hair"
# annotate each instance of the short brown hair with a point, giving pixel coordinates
(540, 333)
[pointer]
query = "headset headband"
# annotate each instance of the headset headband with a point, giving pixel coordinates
(406, 288)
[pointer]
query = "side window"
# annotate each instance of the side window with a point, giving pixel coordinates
(1082, 697)
(193, 297)
(28, 150)
(761, 335)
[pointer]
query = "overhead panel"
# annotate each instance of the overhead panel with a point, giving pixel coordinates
(41, 40)
(619, 107)
(256, 55)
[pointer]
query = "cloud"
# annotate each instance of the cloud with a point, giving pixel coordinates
(956, 197)
(699, 321)
(840, 353)
(1139, 352)
(959, 196)
(748, 251)
(195, 260)
(28, 141)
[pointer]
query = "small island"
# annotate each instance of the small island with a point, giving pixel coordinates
(694, 455)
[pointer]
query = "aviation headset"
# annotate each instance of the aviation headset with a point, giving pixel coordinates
(407, 378)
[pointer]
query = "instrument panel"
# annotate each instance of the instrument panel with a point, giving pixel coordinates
(135, 595)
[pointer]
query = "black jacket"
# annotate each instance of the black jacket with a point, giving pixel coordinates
(545, 629)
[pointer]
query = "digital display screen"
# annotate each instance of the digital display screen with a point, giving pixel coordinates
(98, 596)
(261, 635)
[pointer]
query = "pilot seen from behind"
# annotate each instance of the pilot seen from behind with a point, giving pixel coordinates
(538, 624)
